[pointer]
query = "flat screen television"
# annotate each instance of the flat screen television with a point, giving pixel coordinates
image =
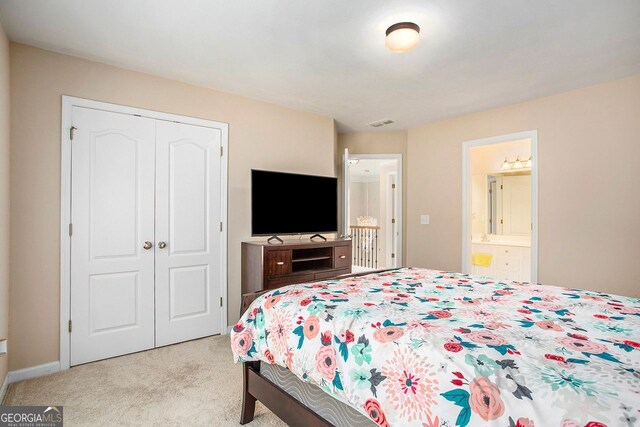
(288, 203)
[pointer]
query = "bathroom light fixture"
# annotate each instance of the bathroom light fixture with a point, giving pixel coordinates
(517, 164)
(402, 37)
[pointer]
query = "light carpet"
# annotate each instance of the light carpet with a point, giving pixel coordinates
(188, 384)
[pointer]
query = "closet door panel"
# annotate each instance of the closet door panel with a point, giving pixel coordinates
(188, 212)
(112, 275)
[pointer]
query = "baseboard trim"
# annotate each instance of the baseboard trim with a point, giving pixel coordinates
(33, 372)
(3, 389)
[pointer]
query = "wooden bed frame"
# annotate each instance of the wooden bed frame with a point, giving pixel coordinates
(286, 407)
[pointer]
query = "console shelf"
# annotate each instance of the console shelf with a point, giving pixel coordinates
(310, 258)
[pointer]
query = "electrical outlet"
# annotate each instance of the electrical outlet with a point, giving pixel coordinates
(424, 219)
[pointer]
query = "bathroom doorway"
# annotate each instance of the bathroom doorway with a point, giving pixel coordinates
(500, 230)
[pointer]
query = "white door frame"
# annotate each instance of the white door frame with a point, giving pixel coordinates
(68, 102)
(399, 198)
(466, 195)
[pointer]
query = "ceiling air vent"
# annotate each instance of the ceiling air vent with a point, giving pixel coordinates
(381, 123)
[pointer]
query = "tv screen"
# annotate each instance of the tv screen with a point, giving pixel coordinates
(287, 203)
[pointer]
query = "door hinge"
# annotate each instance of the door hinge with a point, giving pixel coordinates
(70, 229)
(70, 326)
(221, 151)
(393, 186)
(501, 187)
(220, 225)
(393, 255)
(501, 222)
(71, 132)
(393, 220)
(220, 301)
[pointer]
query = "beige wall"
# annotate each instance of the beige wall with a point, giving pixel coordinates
(380, 143)
(589, 185)
(261, 135)
(4, 197)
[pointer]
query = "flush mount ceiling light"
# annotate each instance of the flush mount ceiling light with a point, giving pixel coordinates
(402, 37)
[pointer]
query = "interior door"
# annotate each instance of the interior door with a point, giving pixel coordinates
(188, 232)
(112, 269)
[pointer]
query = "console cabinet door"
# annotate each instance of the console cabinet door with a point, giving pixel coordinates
(277, 263)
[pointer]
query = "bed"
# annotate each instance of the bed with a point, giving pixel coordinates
(418, 347)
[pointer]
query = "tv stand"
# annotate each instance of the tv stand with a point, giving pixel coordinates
(266, 266)
(324, 239)
(275, 238)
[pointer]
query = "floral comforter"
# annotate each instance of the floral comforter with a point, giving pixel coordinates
(417, 347)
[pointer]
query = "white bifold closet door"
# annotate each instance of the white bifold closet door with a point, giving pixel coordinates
(145, 245)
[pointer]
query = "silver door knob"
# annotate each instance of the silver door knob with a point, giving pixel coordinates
(147, 245)
(162, 245)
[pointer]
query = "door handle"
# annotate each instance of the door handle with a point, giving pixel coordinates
(162, 245)
(280, 262)
(343, 256)
(147, 245)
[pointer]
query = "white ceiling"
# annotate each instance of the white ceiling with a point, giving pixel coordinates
(329, 57)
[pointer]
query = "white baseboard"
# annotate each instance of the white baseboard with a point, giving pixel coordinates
(3, 389)
(32, 372)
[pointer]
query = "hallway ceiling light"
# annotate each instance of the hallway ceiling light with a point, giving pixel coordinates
(402, 37)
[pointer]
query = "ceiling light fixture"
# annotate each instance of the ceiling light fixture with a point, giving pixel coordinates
(402, 37)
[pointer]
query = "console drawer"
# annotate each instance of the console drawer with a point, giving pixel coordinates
(341, 256)
(289, 280)
(330, 274)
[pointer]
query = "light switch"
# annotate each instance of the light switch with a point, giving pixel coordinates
(424, 219)
(3, 347)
